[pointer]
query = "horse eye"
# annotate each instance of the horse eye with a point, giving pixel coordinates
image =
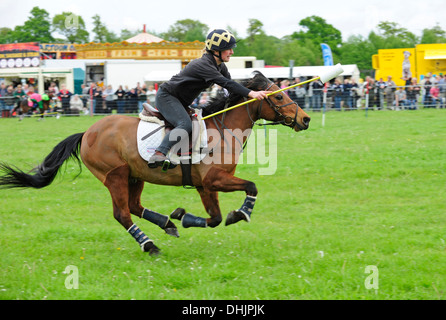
(279, 97)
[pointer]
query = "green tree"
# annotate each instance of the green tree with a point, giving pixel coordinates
(433, 35)
(318, 31)
(102, 34)
(259, 44)
(186, 30)
(303, 54)
(36, 29)
(392, 35)
(71, 26)
(6, 35)
(358, 50)
(255, 28)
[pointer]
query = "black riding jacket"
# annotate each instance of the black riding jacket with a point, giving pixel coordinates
(199, 75)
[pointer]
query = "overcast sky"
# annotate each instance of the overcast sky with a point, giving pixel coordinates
(279, 17)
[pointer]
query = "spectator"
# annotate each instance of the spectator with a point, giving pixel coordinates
(92, 96)
(300, 93)
(442, 87)
(3, 91)
(427, 99)
(435, 95)
(203, 99)
(316, 93)
(380, 87)
(151, 92)
(142, 95)
(347, 94)
(355, 93)
(412, 94)
(85, 96)
(53, 88)
(400, 98)
(99, 100)
(19, 94)
(370, 91)
(337, 93)
(132, 101)
(8, 102)
(65, 96)
(108, 95)
(120, 94)
(25, 88)
(390, 92)
(76, 104)
(283, 84)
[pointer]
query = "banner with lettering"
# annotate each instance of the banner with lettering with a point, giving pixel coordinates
(19, 55)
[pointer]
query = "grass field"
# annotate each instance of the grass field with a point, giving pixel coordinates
(358, 192)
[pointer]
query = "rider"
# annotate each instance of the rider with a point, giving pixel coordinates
(36, 100)
(175, 96)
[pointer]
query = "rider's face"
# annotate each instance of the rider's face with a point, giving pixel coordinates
(226, 55)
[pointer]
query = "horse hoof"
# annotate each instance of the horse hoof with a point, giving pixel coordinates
(236, 216)
(171, 229)
(151, 248)
(172, 232)
(178, 213)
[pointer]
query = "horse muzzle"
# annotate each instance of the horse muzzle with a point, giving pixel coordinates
(303, 124)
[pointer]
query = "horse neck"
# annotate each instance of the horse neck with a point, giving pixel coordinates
(242, 118)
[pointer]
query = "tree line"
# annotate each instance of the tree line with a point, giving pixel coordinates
(302, 46)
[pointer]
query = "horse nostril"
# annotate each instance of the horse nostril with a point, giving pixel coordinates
(306, 121)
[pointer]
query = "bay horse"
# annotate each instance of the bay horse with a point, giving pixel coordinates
(23, 107)
(109, 150)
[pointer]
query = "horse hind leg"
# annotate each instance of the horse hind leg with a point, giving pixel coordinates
(117, 183)
(135, 189)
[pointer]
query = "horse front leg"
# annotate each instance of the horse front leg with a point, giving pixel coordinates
(218, 179)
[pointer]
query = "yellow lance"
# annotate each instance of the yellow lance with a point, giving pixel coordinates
(331, 73)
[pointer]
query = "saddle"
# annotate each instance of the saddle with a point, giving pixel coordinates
(152, 128)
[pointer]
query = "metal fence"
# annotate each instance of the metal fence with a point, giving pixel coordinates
(398, 98)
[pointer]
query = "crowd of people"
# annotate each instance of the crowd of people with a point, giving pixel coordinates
(341, 94)
(348, 94)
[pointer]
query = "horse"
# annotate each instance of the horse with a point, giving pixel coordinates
(109, 150)
(23, 107)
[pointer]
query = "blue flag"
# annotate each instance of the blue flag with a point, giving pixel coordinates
(326, 54)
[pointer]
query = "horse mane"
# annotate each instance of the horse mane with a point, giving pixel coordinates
(221, 101)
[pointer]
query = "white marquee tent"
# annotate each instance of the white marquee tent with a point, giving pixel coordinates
(350, 70)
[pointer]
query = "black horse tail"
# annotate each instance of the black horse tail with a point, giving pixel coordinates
(44, 174)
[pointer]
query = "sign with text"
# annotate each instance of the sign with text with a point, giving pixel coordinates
(19, 55)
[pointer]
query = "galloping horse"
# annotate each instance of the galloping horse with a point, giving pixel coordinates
(109, 150)
(24, 106)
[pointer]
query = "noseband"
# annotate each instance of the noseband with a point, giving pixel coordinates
(281, 118)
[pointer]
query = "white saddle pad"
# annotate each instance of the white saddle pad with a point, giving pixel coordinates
(151, 132)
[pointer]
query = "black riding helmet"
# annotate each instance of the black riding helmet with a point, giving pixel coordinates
(220, 40)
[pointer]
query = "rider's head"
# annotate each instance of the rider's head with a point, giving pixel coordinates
(218, 41)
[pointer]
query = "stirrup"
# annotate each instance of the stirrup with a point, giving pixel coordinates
(165, 165)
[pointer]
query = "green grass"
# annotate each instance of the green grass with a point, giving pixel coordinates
(357, 192)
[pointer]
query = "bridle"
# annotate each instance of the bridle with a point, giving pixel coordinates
(280, 117)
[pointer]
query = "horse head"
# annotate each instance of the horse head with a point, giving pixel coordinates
(280, 108)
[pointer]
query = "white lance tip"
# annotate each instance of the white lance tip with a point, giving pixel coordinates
(332, 72)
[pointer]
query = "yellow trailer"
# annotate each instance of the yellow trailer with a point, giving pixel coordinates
(410, 62)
